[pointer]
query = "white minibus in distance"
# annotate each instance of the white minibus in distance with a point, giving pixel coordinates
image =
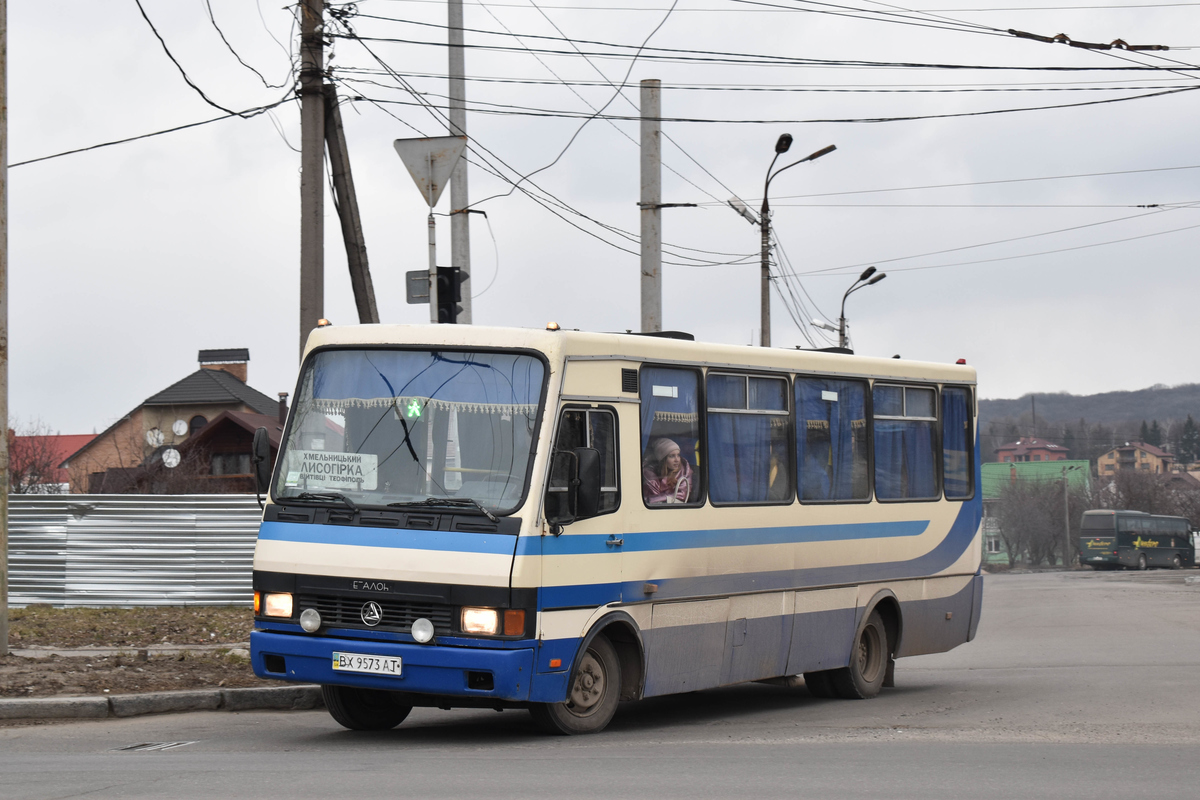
(464, 516)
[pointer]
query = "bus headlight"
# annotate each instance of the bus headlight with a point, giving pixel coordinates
(479, 620)
(277, 605)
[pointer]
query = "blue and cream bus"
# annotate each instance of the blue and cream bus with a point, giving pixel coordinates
(463, 516)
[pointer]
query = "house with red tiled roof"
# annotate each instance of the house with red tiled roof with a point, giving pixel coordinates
(1135, 455)
(1031, 448)
(34, 461)
(121, 457)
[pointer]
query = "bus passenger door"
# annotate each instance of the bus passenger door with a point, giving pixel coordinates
(581, 563)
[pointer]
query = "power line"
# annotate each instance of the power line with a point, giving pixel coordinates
(250, 112)
(240, 60)
(525, 111)
(993, 182)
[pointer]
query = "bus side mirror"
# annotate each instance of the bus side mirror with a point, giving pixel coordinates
(261, 458)
(587, 501)
(574, 487)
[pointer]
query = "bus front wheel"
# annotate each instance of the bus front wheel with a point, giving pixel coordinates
(1176, 562)
(1141, 562)
(592, 694)
(364, 709)
(868, 663)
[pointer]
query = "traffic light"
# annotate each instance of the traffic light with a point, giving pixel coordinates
(449, 293)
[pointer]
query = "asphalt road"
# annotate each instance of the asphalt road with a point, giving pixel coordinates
(1079, 685)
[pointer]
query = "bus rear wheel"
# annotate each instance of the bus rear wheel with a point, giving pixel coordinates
(868, 663)
(592, 694)
(1141, 562)
(1176, 562)
(364, 709)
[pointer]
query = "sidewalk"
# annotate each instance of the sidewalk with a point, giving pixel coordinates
(113, 706)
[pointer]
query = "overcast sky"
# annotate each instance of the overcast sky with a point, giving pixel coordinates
(126, 260)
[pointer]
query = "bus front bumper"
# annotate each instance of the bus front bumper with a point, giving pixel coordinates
(473, 672)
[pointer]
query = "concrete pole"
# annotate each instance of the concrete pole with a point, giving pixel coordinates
(764, 312)
(460, 220)
(433, 283)
(1066, 523)
(651, 205)
(4, 326)
(312, 168)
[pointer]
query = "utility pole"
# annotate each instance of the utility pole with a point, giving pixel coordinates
(460, 217)
(1066, 522)
(347, 207)
(4, 454)
(312, 167)
(651, 205)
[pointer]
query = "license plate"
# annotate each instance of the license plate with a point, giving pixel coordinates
(360, 662)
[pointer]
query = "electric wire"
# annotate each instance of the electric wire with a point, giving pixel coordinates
(250, 112)
(240, 60)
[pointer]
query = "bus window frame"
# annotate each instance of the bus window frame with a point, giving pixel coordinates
(616, 420)
(971, 454)
(700, 473)
(788, 413)
(869, 416)
(938, 494)
(543, 398)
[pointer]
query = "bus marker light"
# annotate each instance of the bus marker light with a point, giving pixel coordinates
(310, 620)
(257, 603)
(422, 630)
(479, 620)
(278, 605)
(551, 326)
(323, 323)
(555, 663)
(514, 622)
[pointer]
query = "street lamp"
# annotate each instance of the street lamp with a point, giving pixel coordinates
(854, 287)
(781, 147)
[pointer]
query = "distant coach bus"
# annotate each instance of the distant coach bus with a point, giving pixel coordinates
(1135, 540)
(478, 517)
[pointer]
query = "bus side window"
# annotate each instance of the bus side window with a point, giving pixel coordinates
(958, 443)
(672, 462)
(748, 433)
(905, 422)
(831, 439)
(595, 428)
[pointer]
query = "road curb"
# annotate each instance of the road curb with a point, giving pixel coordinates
(288, 698)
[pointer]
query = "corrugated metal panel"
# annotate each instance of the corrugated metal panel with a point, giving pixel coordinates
(131, 550)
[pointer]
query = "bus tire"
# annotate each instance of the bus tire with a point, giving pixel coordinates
(1176, 562)
(364, 709)
(592, 694)
(819, 684)
(868, 663)
(1141, 562)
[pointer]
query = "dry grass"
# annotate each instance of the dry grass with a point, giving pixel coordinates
(127, 627)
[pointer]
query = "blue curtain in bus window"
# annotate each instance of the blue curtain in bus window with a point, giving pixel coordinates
(739, 447)
(830, 418)
(957, 444)
(904, 465)
(670, 408)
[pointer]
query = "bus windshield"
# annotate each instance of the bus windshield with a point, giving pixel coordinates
(397, 427)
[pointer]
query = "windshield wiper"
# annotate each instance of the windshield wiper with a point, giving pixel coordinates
(321, 496)
(447, 502)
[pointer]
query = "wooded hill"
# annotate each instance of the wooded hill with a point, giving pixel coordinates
(1089, 424)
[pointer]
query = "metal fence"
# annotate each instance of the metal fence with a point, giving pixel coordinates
(131, 550)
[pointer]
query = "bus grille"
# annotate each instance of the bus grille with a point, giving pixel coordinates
(346, 612)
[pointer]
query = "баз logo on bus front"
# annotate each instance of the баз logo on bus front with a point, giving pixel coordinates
(372, 613)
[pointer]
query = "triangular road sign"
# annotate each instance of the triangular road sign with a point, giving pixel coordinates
(431, 161)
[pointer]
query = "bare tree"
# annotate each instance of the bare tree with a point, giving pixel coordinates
(1037, 526)
(33, 460)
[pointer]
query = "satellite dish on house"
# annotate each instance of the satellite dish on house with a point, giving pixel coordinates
(180, 427)
(170, 458)
(154, 437)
